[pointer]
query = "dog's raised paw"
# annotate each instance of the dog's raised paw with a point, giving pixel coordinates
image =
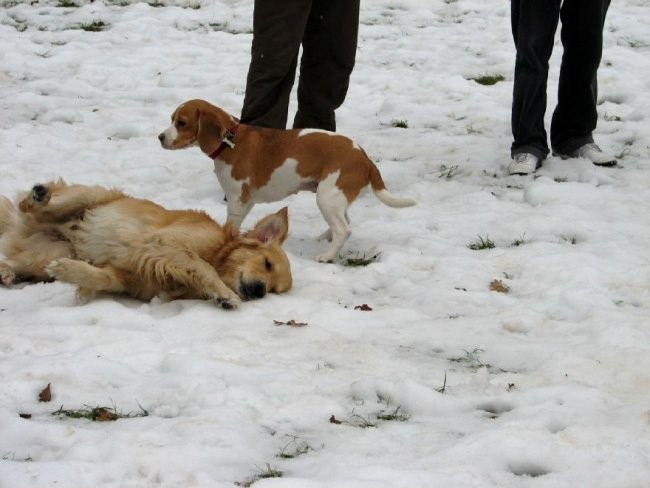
(40, 193)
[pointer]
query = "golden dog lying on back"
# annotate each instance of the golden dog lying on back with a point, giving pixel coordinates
(105, 241)
(257, 164)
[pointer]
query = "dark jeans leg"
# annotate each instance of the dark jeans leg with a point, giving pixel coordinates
(278, 30)
(575, 116)
(329, 50)
(533, 27)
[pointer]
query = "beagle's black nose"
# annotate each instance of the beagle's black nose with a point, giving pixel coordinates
(161, 137)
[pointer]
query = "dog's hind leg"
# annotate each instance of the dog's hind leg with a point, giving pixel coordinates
(30, 262)
(20, 268)
(58, 202)
(90, 279)
(327, 235)
(333, 204)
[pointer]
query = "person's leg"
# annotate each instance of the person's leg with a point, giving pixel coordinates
(329, 49)
(533, 27)
(575, 116)
(278, 30)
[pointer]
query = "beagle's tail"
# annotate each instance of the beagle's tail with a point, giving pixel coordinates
(384, 196)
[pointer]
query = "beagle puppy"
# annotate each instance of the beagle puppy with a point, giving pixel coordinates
(259, 164)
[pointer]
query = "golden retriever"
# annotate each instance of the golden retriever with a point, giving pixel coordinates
(103, 240)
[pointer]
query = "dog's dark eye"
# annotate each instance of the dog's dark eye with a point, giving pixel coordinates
(181, 123)
(268, 265)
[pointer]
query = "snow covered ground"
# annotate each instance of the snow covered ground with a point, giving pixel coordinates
(445, 382)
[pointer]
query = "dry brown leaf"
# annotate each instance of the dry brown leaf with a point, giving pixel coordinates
(290, 323)
(46, 394)
(103, 415)
(499, 286)
(25, 415)
(363, 308)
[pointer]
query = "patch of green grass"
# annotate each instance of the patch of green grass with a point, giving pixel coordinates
(443, 388)
(395, 415)
(481, 243)
(94, 26)
(67, 3)
(98, 414)
(570, 239)
(357, 420)
(448, 172)
(294, 448)
(360, 261)
(611, 118)
(156, 4)
(268, 472)
(488, 80)
(218, 26)
(400, 124)
(519, 241)
(472, 361)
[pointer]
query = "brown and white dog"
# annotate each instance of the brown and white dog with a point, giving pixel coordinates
(102, 240)
(257, 164)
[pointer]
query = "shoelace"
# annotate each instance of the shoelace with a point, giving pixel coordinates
(521, 158)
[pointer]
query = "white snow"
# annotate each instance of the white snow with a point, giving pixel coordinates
(547, 385)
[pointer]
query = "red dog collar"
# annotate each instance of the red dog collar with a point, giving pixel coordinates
(228, 141)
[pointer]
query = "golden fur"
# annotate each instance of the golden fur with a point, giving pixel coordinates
(107, 241)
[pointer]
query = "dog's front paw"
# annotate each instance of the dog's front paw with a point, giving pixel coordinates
(7, 275)
(60, 269)
(228, 301)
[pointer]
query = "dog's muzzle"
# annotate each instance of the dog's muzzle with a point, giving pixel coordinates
(253, 290)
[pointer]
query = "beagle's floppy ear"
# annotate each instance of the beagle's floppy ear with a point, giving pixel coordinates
(271, 229)
(209, 132)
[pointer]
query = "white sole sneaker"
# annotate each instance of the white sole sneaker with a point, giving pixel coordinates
(593, 153)
(523, 164)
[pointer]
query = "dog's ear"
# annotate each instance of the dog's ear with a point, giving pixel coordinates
(209, 132)
(273, 228)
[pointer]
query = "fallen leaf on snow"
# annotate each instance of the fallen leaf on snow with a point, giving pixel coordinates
(46, 394)
(290, 323)
(499, 286)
